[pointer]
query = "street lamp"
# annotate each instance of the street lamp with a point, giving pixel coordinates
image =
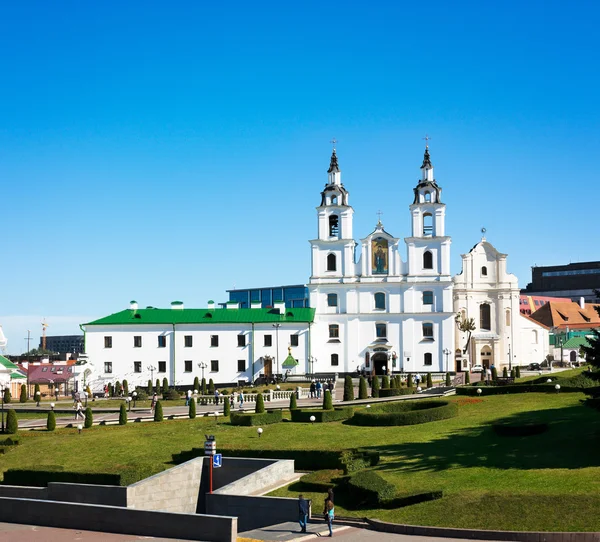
(312, 361)
(277, 326)
(51, 406)
(128, 399)
(134, 394)
(152, 369)
(509, 356)
(259, 431)
(202, 366)
(2, 391)
(37, 397)
(447, 352)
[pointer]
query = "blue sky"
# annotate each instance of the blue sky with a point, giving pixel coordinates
(160, 151)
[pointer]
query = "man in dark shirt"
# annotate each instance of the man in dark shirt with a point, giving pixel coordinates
(303, 508)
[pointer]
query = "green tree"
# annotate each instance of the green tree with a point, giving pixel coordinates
(158, 412)
(7, 396)
(430, 381)
(363, 392)
(467, 377)
(513, 373)
(226, 406)
(37, 395)
(111, 390)
(118, 388)
(165, 386)
(51, 421)
(293, 402)
(211, 387)
(375, 386)
(125, 387)
(348, 389)
(203, 386)
(385, 382)
(12, 424)
(409, 382)
(494, 373)
(518, 371)
(89, 418)
(260, 404)
(505, 372)
(157, 388)
(150, 387)
(196, 384)
(192, 409)
(448, 380)
(23, 398)
(592, 351)
(122, 414)
(327, 401)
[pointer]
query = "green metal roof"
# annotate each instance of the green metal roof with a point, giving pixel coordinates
(7, 363)
(289, 362)
(17, 376)
(576, 342)
(205, 316)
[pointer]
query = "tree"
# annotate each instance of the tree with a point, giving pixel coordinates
(157, 387)
(505, 372)
(23, 398)
(293, 402)
(7, 396)
(348, 389)
(125, 387)
(448, 380)
(211, 387)
(89, 418)
(465, 325)
(118, 389)
(226, 406)
(375, 386)
(196, 384)
(513, 373)
(111, 390)
(158, 412)
(165, 386)
(327, 401)
(150, 387)
(37, 394)
(409, 382)
(51, 421)
(494, 373)
(385, 382)
(192, 410)
(518, 371)
(260, 403)
(203, 386)
(122, 414)
(363, 393)
(467, 377)
(430, 381)
(592, 352)
(12, 424)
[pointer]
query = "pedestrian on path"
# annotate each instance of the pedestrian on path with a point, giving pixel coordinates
(153, 403)
(328, 511)
(241, 398)
(319, 388)
(78, 410)
(303, 507)
(217, 397)
(188, 397)
(313, 389)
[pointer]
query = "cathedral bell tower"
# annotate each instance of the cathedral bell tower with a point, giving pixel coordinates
(333, 250)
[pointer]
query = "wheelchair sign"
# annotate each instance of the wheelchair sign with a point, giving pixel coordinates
(217, 461)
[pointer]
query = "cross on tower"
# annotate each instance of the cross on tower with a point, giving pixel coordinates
(426, 138)
(333, 142)
(379, 213)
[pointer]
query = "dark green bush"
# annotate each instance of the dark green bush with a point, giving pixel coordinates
(10, 441)
(320, 480)
(111, 390)
(368, 489)
(211, 387)
(405, 413)
(519, 430)
(321, 416)
(171, 395)
(467, 377)
(385, 382)
(409, 382)
(141, 394)
(448, 380)
(407, 500)
(259, 408)
(393, 392)
(192, 409)
(518, 372)
(513, 373)
(118, 389)
(89, 418)
(196, 384)
(157, 388)
(494, 373)
(51, 421)
(293, 402)
(23, 397)
(429, 380)
(226, 406)
(158, 412)
(149, 390)
(125, 387)
(204, 386)
(363, 392)
(7, 396)
(348, 389)
(165, 386)
(514, 388)
(250, 419)
(327, 400)
(505, 372)
(12, 424)
(122, 414)
(375, 386)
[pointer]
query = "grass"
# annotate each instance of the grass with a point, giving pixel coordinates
(549, 481)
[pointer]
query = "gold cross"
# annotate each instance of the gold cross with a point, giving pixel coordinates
(379, 213)
(333, 142)
(426, 138)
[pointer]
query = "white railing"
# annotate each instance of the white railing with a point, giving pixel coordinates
(271, 395)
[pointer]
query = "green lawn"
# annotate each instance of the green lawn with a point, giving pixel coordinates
(549, 481)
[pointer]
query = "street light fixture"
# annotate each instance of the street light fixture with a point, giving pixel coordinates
(447, 352)
(277, 326)
(259, 431)
(51, 406)
(134, 395)
(202, 366)
(2, 388)
(312, 360)
(152, 369)
(128, 399)
(37, 397)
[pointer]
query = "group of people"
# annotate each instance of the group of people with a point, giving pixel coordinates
(328, 511)
(317, 389)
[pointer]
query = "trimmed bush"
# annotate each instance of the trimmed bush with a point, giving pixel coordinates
(527, 387)
(192, 409)
(393, 392)
(327, 401)
(125, 387)
(375, 386)
(171, 395)
(405, 413)
(36, 388)
(429, 381)
(467, 377)
(158, 412)
(252, 419)
(23, 396)
(519, 430)
(10, 441)
(385, 381)
(12, 424)
(141, 394)
(293, 402)
(322, 416)
(320, 480)
(409, 382)
(111, 390)
(51, 421)
(259, 408)
(518, 372)
(149, 387)
(363, 392)
(165, 386)
(368, 489)
(448, 380)
(513, 373)
(118, 389)
(348, 389)
(505, 372)
(204, 391)
(157, 387)
(226, 406)
(122, 414)
(494, 373)
(211, 387)
(89, 418)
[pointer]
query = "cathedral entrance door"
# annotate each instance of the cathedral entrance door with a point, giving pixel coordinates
(379, 361)
(268, 368)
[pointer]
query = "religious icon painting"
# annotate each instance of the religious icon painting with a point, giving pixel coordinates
(379, 256)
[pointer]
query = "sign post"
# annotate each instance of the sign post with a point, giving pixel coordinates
(210, 449)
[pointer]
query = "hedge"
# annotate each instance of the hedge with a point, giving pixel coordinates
(393, 392)
(10, 441)
(405, 413)
(249, 419)
(369, 489)
(337, 414)
(123, 475)
(320, 480)
(514, 388)
(519, 430)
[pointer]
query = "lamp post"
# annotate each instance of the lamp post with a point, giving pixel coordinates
(509, 356)
(37, 397)
(128, 399)
(277, 326)
(134, 395)
(447, 352)
(312, 361)
(2, 391)
(152, 369)
(560, 342)
(202, 366)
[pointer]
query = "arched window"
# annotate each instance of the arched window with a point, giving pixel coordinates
(331, 262)
(334, 225)
(427, 260)
(573, 356)
(428, 331)
(332, 300)
(428, 359)
(335, 360)
(485, 320)
(333, 200)
(507, 318)
(484, 271)
(380, 300)
(427, 298)
(427, 197)
(427, 224)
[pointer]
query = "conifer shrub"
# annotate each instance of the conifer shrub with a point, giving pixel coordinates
(158, 387)
(51, 421)
(23, 397)
(192, 409)
(150, 390)
(518, 372)
(125, 387)
(12, 424)
(203, 386)
(348, 389)
(122, 414)
(118, 389)
(375, 386)
(494, 373)
(409, 382)
(226, 406)
(505, 372)
(196, 384)
(385, 381)
(158, 412)
(111, 390)
(430, 381)
(327, 401)
(89, 418)
(513, 373)
(211, 387)
(363, 392)
(260, 404)
(165, 386)
(7, 396)
(293, 402)
(448, 380)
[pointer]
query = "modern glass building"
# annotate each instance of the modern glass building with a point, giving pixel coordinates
(294, 296)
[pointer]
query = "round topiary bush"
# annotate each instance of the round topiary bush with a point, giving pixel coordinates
(405, 413)
(51, 421)
(260, 404)
(12, 424)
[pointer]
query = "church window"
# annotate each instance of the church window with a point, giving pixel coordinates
(294, 339)
(268, 340)
(108, 366)
(485, 320)
(241, 365)
(427, 224)
(427, 260)
(137, 366)
(162, 366)
(334, 331)
(241, 339)
(187, 366)
(380, 300)
(333, 200)
(484, 271)
(428, 359)
(334, 225)
(335, 360)
(381, 331)
(188, 341)
(507, 318)
(331, 262)
(137, 341)
(427, 197)
(214, 365)
(428, 331)
(428, 298)
(214, 340)
(332, 300)
(107, 342)
(162, 341)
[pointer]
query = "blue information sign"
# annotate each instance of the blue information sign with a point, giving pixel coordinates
(217, 461)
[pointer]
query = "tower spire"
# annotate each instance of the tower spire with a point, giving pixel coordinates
(333, 163)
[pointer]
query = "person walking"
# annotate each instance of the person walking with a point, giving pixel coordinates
(241, 398)
(319, 388)
(303, 507)
(328, 511)
(312, 389)
(78, 410)
(153, 403)
(217, 397)
(188, 397)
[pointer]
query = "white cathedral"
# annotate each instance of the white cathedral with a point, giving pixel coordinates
(378, 313)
